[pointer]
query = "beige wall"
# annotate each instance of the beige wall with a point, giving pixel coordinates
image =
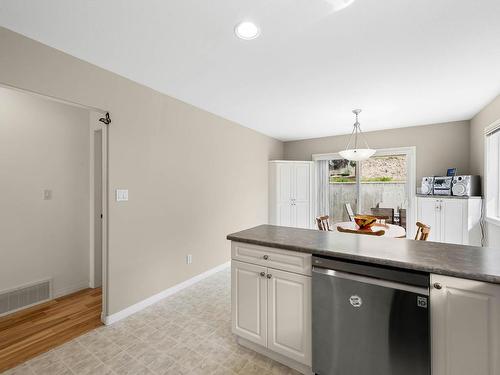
(192, 177)
(43, 145)
(484, 118)
(439, 146)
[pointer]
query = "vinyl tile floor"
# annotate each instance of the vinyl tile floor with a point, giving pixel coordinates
(186, 333)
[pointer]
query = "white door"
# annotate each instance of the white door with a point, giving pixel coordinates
(302, 195)
(465, 325)
(285, 194)
(289, 317)
(429, 214)
(453, 214)
(249, 301)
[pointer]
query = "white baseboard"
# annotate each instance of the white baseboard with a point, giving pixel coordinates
(70, 289)
(303, 369)
(113, 318)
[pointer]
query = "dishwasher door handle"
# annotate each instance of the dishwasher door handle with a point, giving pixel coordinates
(371, 281)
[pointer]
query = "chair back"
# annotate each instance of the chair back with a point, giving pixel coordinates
(422, 232)
(367, 233)
(323, 223)
(349, 211)
(402, 217)
(384, 214)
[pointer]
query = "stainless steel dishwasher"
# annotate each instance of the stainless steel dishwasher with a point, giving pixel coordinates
(369, 320)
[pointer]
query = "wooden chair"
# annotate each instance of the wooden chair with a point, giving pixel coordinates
(365, 232)
(349, 211)
(323, 223)
(422, 232)
(384, 214)
(402, 217)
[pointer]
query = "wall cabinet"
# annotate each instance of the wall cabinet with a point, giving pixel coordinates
(291, 193)
(452, 220)
(465, 324)
(272, 306)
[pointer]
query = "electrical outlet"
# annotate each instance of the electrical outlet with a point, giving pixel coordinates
(189, 259)
(47, 194)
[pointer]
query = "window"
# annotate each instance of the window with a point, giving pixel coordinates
(493, 175)
(385, 181)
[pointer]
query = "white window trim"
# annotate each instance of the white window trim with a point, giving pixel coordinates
(489, 130)
(411, 155)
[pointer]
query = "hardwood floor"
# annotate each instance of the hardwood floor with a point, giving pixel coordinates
(27, 333)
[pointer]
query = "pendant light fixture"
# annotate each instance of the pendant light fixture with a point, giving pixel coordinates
(355, 153)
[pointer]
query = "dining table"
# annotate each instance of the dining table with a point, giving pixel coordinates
(391, 230)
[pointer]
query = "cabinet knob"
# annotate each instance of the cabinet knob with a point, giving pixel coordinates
(269, 276)
(262, 274)
(266, 257)
(438, 286)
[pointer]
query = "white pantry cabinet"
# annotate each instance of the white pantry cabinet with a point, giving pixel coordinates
(452, 220)
(271, 306)
(465, 325)
(291, 193)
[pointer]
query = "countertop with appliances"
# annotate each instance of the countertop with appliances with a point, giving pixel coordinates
(446, 196)
(468, 262)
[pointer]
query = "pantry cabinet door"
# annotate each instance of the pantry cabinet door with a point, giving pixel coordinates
(465, 326)
(289, 317)
(302, 197)
(249, 301)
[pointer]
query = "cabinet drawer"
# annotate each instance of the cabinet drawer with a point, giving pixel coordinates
(286, 260)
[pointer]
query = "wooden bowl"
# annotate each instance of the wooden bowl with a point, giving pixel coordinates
(365, 221)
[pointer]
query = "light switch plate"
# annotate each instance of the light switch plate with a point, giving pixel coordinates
(121, 195)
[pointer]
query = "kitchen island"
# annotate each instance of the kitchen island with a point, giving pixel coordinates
(271, 293)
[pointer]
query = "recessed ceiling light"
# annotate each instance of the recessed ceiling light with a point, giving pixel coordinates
(247, 30)
(340, 4)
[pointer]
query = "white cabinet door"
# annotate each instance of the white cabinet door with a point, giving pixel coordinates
(289, 317)
(285, 187)
(465, 324)
(428, 213)
(249, 301)
(453, 214)
(302, 195)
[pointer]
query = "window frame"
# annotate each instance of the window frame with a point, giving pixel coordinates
(411, 183)
(492, 204)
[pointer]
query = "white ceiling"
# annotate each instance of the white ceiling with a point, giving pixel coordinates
(405, 62)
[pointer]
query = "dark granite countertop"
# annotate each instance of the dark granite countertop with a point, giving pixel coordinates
(469, 262)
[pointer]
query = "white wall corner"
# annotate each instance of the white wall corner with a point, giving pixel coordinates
(113, 318)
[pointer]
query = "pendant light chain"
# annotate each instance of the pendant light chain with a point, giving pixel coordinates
(357, 154)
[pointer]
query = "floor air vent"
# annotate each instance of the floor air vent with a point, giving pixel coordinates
(18, 298)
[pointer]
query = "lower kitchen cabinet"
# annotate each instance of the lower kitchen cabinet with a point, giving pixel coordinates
(272, 308)
(465, 324)
(289, 315)
(249, 301)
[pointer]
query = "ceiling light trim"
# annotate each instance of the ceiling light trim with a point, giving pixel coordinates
(247, 30)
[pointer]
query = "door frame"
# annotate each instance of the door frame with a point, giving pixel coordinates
(411, 182)
(96, 126)
(94, 115)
